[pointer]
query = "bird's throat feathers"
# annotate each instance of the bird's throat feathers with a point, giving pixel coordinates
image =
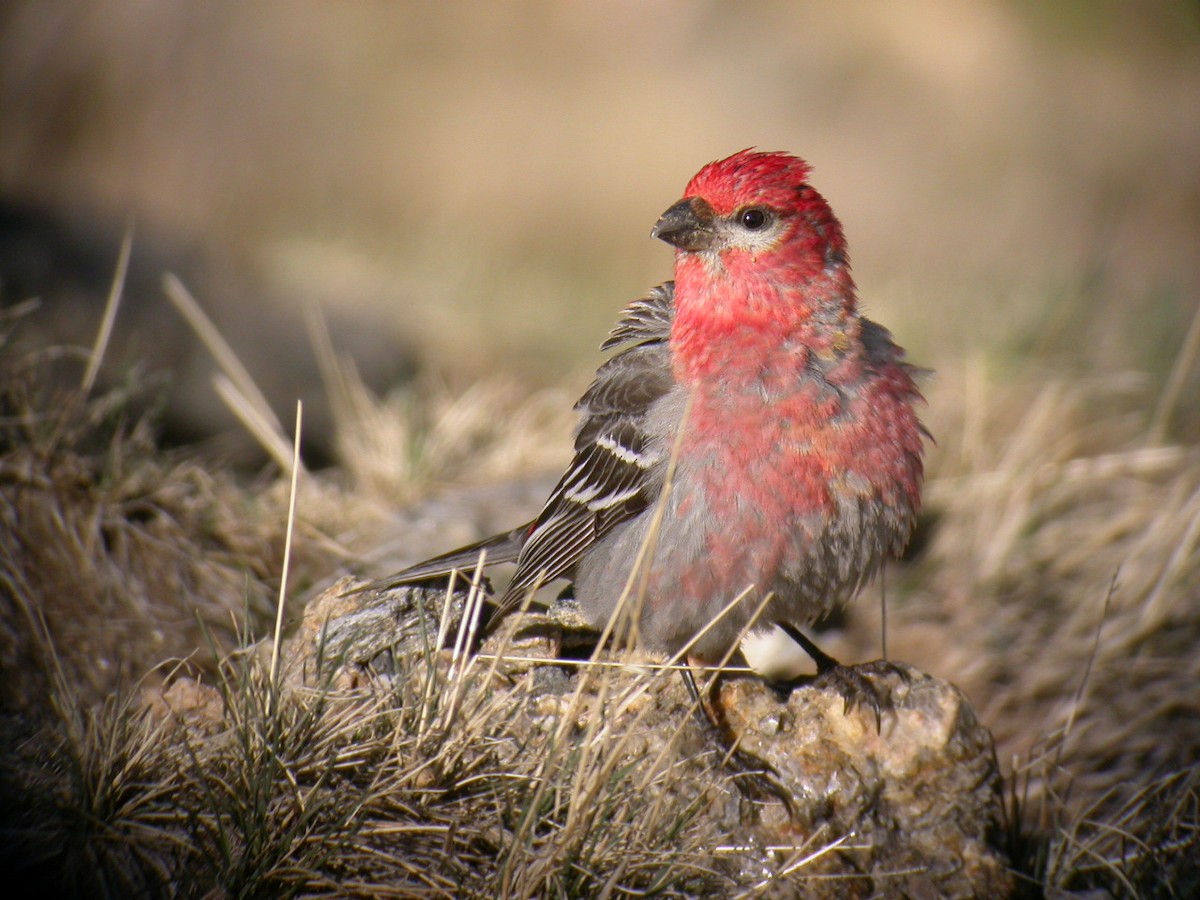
(730, 321)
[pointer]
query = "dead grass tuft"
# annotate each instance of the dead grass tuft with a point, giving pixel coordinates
(415, 439)
(443, 782)
(122, 554)
(1067, 565)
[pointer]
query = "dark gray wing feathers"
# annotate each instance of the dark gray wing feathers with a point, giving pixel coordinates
(615, 459)
(614, 469)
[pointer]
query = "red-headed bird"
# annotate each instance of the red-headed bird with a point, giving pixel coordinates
(790, 416)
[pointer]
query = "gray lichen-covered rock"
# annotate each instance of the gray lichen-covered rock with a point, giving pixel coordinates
(359, 631)
(362, 632)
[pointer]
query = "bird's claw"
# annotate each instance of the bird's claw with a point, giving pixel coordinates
(756, 779)
(863, 686)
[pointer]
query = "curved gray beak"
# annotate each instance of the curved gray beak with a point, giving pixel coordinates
(687, 225)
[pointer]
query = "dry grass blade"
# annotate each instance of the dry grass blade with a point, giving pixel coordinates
(333, 371)
(277, 638)
(261, 428)
(799, 858)
(257, 412)
(111, 305)
(1185, 362)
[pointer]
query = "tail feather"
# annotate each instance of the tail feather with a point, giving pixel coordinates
(500, 548)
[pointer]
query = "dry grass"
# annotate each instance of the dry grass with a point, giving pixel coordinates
(1057, 585)
(439, 785)
(122, 553)
(400, 446)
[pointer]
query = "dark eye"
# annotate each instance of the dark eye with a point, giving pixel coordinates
(754, 218)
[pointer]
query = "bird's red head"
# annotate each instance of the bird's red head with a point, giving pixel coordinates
(750, 177)
(759, 251)
(755, 215)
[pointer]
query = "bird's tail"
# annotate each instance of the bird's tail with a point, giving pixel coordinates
(500, 548)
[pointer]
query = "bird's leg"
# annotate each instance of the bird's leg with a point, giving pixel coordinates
(851, 682)
(754, 777)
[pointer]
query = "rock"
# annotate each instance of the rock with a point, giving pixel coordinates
(916, 794)
(347, 625)
(365, 630)
(189, 703)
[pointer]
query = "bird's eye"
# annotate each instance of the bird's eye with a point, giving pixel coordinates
(754, 219)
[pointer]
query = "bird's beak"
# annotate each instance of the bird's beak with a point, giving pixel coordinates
(687, 225)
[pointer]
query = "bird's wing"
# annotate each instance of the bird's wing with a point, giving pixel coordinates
(500, 548)
(645, 319)
(617, 465)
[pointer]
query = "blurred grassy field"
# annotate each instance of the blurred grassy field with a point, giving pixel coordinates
(480, 180)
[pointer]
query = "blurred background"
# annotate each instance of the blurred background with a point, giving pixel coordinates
(469, 187)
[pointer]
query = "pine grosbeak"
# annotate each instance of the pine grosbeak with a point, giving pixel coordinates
(797, 449)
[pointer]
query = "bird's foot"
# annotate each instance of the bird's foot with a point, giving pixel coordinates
(865, 685)
(756, 779)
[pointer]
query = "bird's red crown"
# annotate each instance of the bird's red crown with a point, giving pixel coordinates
(750, 176)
